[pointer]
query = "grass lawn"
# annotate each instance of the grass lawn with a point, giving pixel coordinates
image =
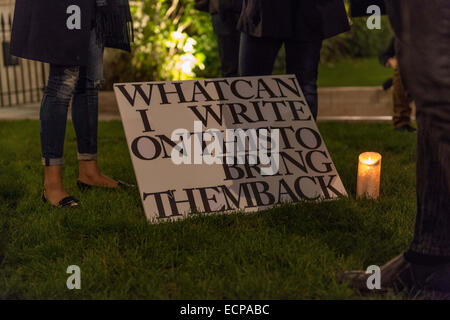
(290, 252)
(353, 73)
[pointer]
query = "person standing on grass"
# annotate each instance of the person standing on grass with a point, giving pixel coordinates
(423, 33)
(225, 15)
(400, 98)
(301, 25)
(70, 36)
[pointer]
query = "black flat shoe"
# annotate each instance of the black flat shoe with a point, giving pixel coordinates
(121, 185)
(124, 185)
(65, 202)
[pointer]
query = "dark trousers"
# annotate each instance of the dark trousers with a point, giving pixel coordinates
(258, 55)
(422, 28)
(432, 231)
(228, 40)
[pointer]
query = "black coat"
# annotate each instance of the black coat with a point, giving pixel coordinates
(293, 19)
(40, 32)
(40, 29)
(422, 47)
(358, 8)
(219, 6)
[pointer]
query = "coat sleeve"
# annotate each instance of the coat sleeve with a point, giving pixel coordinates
(40, 31)
(333, 17)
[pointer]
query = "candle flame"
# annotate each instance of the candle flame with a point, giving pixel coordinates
(370, 160)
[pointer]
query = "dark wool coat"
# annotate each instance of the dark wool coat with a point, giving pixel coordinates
(293, 19)
(40, 30)
(219, 6)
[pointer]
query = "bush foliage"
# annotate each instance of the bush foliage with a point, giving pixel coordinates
(359, 42)
(174, 41)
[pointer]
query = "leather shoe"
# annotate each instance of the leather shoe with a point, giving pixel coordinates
(425, 282)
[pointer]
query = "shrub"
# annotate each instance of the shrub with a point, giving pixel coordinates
(359, 42)
(174, 41)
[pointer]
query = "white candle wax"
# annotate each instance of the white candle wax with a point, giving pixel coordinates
(369, 171)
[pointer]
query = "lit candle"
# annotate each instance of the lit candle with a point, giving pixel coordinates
(369, 170)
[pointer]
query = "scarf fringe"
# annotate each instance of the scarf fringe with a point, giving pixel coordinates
(114, 28)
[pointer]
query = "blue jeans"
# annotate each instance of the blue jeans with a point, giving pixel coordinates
(257, 58)
(79, 84)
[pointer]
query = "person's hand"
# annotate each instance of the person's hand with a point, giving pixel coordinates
(393, 63)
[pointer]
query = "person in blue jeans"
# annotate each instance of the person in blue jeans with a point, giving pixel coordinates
(76, 74)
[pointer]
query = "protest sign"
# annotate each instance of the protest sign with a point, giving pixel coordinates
(221, 145)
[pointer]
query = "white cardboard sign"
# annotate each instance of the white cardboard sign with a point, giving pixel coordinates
(173, 133)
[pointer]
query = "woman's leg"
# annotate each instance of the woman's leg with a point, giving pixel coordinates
(257, 55)
(85, 118)
(53, 117)
(228, 41)
(302, 59)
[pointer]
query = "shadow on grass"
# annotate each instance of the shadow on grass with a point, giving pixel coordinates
(11, 187)
(349, 228)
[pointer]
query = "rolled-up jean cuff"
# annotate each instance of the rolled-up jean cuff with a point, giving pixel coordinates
(52, 162)
(87, 156)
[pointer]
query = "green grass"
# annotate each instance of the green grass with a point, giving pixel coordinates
(355, 72)
(290, 252)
